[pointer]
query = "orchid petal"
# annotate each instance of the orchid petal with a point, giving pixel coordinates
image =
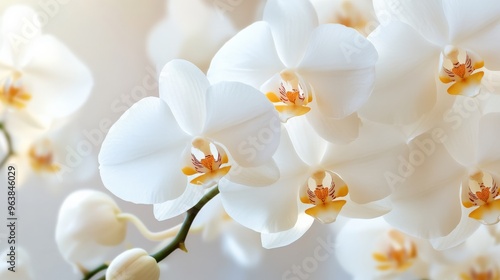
(405, 86)
(337, 47)
(488, 148)
(338, 131)
(249, 57)
(464, 230)
(268, 209)
(484, 46)
(242, 119)
(310, 147)
(263, 175)
(378, 150)
(18, 33)
(58, 81)
(430, 214)
(284, 238)
(271, 208)
(183, 86)
(340, 93)
(467, 19)
(291, 22)
(172, 208)
(146, 137)
(427, 17)
(461, 131)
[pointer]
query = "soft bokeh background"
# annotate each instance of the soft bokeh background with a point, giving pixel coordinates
(111, 37)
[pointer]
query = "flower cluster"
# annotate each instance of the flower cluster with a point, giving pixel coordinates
(41, 83)
(298, 121)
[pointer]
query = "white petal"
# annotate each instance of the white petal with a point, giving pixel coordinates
(339, 93)
(184, 87)
(241, 118)
(249, 57)
(430, 214)
(483, 44)
(146, 139)
(178, 36)
(338, 131)
(310, 147)
(58, 81)
(268, 209)
(337, 47)
(365, 211)
(242, 245)
(405, 75)
(461, 131)
(18, 32)
(377, 151)
(488, 148)
(263, 175)
(427, 17)
(467, 19)
(291, 22)
(169, 209)
(426, 167)
(463, 231)
(284, 238)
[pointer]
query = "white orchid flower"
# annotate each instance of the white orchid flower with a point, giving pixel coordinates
(442, 191)
(194, 130)
(325, 72)
(40, 79)
(372, 249)
(318, 181)
(476, 258)
(421, 43)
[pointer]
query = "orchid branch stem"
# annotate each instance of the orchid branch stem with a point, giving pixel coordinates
(10, 151)
(179, 239)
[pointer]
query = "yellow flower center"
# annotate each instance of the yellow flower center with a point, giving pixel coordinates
(292, 95)
(399, 254)
(459, 67)
(481, 269)
(349, 15)
(482, 193)
(482, 189)
(41, 157)
(208, 159)
(323, 190)
(12, 92)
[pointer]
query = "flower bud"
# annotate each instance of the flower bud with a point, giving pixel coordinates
(87, 227)
(133, 264)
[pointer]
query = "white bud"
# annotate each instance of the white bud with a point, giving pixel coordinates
(87, 227)
(133, 264)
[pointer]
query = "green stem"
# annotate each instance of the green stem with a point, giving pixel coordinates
(10, 151)
(179, 239)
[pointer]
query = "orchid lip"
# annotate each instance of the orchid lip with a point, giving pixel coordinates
(41, 156)
(290, 94)
(460, 68)
(13, 93)
(398, 255)
(323, 190)
(482, 193)
(206, 158)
